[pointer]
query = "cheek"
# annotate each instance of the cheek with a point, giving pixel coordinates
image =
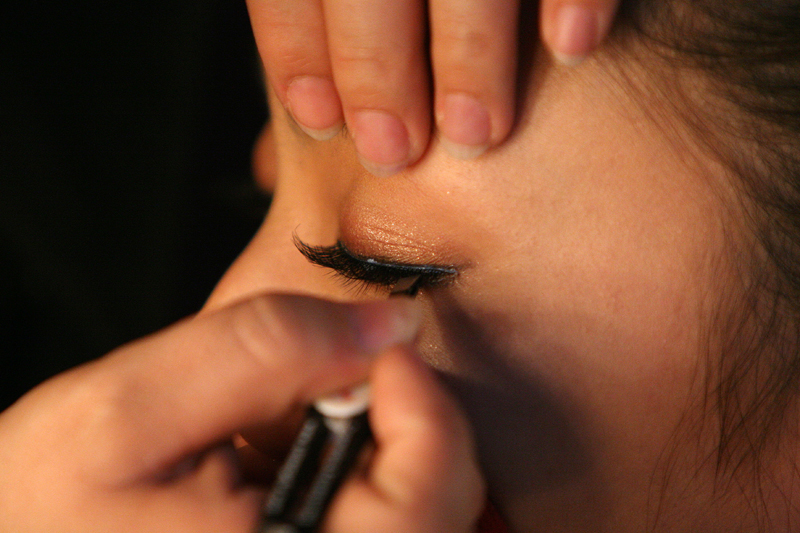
(572, 398)
(576, 339)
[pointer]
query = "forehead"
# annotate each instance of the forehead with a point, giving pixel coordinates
(588, 159)
(590, 184)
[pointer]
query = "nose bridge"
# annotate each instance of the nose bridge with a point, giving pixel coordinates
(304, 207)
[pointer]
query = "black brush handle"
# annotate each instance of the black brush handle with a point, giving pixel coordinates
(297, 469)
(345, 450)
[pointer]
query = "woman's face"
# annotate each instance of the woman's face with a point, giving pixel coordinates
(588, 249)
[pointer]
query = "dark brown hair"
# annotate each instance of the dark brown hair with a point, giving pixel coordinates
(747, 53)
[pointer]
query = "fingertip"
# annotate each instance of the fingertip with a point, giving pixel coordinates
(465, 126)
(401, 379)
(474, 58)
(426, 463)
(379, 325)
(574, 34)
(424, 473)
(314, 104)
(412, 412)
(382, 140)
(573, 30)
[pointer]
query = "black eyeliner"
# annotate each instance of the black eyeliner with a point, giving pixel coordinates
(334, 434)
(353, 267)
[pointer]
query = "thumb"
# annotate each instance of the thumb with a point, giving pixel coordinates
(151, 403)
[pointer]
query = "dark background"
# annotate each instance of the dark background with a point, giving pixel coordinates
(125, 190)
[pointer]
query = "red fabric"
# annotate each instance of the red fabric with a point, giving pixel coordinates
(491, 521)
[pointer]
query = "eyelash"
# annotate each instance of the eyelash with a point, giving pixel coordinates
(367, 272)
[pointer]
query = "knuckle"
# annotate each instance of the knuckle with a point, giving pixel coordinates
(94, 402)
(369, 72)
(366, 60)
(294, 60)
(462, 42)
(293, 49)
(288, 334)
(257, 329)
(95, 413)
(462, 39)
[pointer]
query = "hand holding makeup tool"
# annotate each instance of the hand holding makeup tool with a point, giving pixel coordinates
(336, 429)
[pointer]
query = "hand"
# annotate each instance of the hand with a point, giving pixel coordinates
(139, 441)
(365, 62)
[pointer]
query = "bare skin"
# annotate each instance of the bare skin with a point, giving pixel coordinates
(591, 249)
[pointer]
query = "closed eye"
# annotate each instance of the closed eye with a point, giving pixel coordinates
(370, 271)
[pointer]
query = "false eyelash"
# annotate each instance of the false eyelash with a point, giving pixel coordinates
(372, 271)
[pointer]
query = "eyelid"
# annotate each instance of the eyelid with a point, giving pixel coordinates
(374, 271)
(409, 268)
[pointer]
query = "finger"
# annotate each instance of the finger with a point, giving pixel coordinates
(217, 470)
(175, 393)
(474, 60)
(572, 29)
(208, 498)
(380, 67)
(424, 474)
(293, 46)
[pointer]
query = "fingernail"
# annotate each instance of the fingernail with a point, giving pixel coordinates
(576, 34)
(314, 104)
(379, 325)
(464, 125)
(381, 140)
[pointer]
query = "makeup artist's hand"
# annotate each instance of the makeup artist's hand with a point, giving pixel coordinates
(367, 62)
(138, 441)
(424, 475)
